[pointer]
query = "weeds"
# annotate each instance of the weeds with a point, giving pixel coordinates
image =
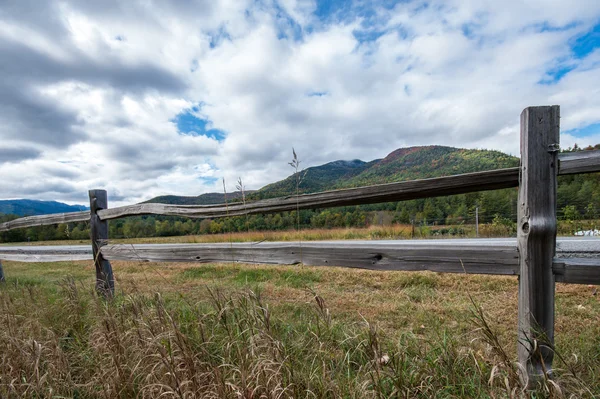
(63, 340)
(241, 188)
(227, 212)
(295, 163)
(510, 376)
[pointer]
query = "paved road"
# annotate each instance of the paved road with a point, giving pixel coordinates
(567, 247)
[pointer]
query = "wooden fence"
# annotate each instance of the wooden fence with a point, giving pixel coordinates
(532, 259)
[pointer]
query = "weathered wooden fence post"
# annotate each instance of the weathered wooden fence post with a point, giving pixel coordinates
(105, 284)
(540, 128)
(1, 273)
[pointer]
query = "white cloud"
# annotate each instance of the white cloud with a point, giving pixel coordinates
(271, 75)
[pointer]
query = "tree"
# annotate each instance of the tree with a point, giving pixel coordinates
(570, 212)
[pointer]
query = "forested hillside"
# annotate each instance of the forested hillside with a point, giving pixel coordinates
(27, 207)
(432, 161)
(315, 179)
(202, 199)
(402, 164)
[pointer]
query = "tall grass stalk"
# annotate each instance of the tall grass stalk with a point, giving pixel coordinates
(241, 188)
(229, 230)
(295, 163)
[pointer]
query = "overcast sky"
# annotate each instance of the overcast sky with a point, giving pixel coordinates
(145, 98)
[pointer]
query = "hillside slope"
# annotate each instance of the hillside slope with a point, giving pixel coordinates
(202, 199)
(431, 161)
(316, 178)
(400, 165)
(28, 207)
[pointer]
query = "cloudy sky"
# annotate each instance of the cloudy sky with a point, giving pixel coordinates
(148, 97)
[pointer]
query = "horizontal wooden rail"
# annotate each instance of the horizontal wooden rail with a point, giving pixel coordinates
(457, 184)
(413, 255)
(374, 255)
(577, 270)
(570, 163)
(44, 220)
(44, 258)
(398, 256)
(46, 253)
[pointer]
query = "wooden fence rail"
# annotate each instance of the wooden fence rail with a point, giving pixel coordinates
(451, 256)
(45, 220)
(533, 259)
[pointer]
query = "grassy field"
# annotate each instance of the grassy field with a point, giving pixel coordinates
(252, 331)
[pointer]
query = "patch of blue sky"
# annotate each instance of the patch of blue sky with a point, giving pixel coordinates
(556, 74)
(547, 27)
(368, 35)
(581, 46)
(472, 30)
(345, 11)
(327, 8)
(586, 43)
(191, 125)
(468, 30)
(589, 130)
(287, 27)
(218, 36)
(208, 180)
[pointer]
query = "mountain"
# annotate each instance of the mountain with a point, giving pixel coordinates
(430, 161)
(400, 165)
(316, 178)
(203, 199)
(27, 207)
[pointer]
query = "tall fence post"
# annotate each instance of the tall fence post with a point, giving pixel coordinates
(540, 128)
(105, 284)
(1, 273)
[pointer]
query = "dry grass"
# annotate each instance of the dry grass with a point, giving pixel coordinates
(397, 231)
(248, 331)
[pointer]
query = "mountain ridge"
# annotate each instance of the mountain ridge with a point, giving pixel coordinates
(29, 207)
(407, 163)
(202, 199)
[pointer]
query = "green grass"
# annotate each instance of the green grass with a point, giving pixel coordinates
(231, 330)
(254, 276)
